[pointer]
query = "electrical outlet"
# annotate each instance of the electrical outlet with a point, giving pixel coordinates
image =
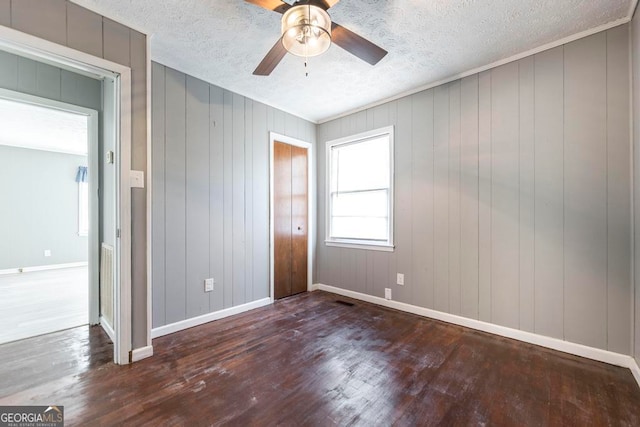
(387, 293)
(47, 252)
(400, 279)
(208, 285)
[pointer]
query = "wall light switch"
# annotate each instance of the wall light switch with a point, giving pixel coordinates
(400, 280)
(136, 179)
(47, 252)
(208, 285)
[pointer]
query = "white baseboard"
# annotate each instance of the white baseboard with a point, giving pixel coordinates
(635, 370)
(108, 329)
(43, 268)
(141, 353)
(528, 337)
(206, 318)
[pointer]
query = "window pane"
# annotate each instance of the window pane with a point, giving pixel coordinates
(362, 204)
(361, 166)
(359, 228)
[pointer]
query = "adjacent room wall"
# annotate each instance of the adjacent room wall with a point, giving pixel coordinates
(512, 197)
(635, 31)
(41, 208)
(210, 212)
(65, 23)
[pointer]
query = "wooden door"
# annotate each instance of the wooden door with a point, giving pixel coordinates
(290, 199)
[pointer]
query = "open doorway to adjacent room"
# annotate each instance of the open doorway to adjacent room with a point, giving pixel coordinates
(49, 221)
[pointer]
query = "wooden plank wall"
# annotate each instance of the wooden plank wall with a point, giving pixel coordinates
(210, 213)
(512, 197)
(66, 23)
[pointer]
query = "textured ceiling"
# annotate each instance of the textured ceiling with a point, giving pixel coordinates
(222, 41)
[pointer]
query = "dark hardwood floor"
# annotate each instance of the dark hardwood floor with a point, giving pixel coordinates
(309, 360)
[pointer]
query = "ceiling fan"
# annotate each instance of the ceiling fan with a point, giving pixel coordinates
(307, 30)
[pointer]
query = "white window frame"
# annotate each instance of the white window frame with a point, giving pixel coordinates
(387, 246)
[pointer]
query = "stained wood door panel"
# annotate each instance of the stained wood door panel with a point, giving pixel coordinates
(290, 219)
(282, 219)
(299, 220)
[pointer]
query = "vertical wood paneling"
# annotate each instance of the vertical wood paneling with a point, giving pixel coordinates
(381, 118)
(216, 196)
(8, 70)
(197, 196)
(175, 197)
(504, 196)
(585, 191)
(441, 196)
(513, 209)
(48, 81)
(549, 188)
(322, 267)
(484, 196)
(84, 30)
(404, 201)
(527, 188)
(260, 202)
(454, 198)
(116, 46)
(618, 189)
(44, 19)
(158, 243)
(248, 193)
(469, 198)
(238, 201)
(227, 250)
(5, 13)
(27, 76)
(422, 197)
(80, 90)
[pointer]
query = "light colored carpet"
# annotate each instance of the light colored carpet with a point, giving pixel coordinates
(42, 302)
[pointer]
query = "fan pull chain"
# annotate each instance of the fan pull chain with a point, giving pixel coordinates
(306, 67)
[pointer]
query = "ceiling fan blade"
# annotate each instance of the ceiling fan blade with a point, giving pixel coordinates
(275, 5)
(271, 60)
(330, 3)
(356, 45)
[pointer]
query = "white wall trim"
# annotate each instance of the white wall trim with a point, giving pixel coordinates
(43, 268)
(477, 70)
(311, 196)
(528, 337)
(206, 318)
(141, 353)
(108, 328)
(635, 370)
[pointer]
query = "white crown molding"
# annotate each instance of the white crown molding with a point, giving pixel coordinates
(490, 66)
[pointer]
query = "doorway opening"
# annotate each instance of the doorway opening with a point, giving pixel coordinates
(48, 176)
(115, 130)
(291, 216)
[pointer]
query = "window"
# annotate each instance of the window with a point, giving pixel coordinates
(360, 191)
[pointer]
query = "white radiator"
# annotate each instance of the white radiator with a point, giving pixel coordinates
(106, 284)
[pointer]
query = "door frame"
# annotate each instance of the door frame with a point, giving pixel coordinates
(92, 161)
(60, 56)
(273, 138)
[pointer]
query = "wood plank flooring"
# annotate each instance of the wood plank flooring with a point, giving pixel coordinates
(41, 302)
(309, 360)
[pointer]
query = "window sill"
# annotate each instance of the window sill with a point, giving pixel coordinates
(364, 246)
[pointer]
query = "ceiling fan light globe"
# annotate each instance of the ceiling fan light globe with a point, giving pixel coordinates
(306, 30)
